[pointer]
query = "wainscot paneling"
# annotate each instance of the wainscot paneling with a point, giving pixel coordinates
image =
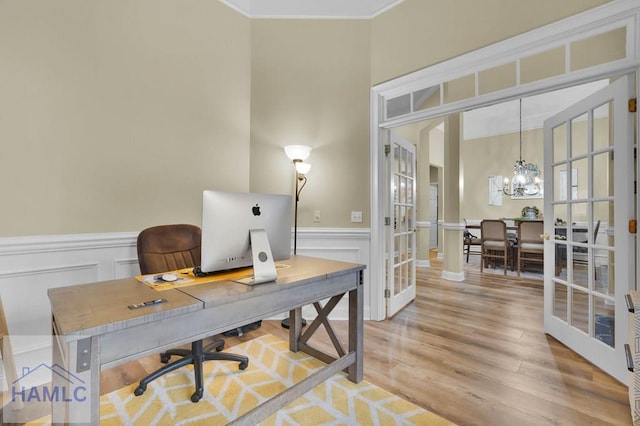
(29, 266)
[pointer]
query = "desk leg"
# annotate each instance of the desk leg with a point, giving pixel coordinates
(356, 329)
(295, 329)
(76, 384)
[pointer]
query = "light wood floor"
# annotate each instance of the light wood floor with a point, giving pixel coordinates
(473, 352)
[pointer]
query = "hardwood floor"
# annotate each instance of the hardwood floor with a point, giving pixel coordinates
(473, 352)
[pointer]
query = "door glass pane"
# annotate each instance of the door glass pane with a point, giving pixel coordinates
(579, 135)
(559, 143)
(562, 183)
(399, 106)
(578, 216)
(602, 220)
(603, 272)
(426, 98)
(560, 258)
(403, 219)
(560, 217)
(580, 266)
(604, 320)
(580, 310)
(579, 179)
(560, 301)
(603, 175)
(396, 188)
(601, 128)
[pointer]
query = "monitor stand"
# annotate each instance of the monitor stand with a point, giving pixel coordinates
(264, 268)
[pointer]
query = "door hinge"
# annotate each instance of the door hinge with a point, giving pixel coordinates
(633, 105)
(387, 293)
(633, 226)
(387, 221)
(387, 149)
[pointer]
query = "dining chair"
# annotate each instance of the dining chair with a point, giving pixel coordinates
(469, 240)
(495, 243)
(530, 243)
(168, 248)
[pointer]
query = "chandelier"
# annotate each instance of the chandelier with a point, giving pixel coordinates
(526, 176)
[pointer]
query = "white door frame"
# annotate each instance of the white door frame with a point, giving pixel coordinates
(619, 13)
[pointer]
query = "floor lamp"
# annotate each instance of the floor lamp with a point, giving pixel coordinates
(297, 154)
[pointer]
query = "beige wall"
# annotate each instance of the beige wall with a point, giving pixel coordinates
(115, 115)
(310, 86)
(495, 156)
(418, 33)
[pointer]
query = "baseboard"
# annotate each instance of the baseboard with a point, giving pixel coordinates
(453, 276)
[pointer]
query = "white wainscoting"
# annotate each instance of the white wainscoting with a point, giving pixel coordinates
(343, 244)
(29, 266)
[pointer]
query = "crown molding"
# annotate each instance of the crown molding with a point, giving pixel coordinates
(311, 9)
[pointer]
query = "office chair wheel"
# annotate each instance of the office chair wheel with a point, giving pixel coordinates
(243, 365)
(164, 358)
(218, 345)
(197, 396)
(139, 390)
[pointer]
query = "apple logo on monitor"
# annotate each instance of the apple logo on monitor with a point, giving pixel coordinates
(255, 210)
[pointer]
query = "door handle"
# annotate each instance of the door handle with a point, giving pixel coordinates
(545, 236)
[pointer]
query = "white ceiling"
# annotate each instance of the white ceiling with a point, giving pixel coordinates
(334, 9)
(504, 118)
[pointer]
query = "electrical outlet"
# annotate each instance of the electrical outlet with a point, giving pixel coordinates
(316, 216)
(356, 217)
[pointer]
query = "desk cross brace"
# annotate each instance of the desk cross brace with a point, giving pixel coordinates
(322, 318)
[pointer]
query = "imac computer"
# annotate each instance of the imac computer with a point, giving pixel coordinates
(244, 229)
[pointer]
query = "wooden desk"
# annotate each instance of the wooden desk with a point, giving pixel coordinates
(95, 329)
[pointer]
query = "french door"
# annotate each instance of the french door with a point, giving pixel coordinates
(589, 251)
(400, 237)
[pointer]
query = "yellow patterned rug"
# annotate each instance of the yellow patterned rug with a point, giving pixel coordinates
(230, 392)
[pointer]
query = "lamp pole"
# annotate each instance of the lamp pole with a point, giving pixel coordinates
(301, 181)
(299, 178)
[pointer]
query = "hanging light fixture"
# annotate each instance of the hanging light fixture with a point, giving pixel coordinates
(526, 176)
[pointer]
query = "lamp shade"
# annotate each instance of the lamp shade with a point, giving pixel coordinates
(303, 168)
(297, 152)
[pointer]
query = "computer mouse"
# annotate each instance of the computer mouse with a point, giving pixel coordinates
(169, 277)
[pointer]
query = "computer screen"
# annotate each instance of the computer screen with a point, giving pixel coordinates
(241, 229)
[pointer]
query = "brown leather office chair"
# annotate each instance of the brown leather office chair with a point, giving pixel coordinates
(530, 243)
(495, 243)
(167, 248)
